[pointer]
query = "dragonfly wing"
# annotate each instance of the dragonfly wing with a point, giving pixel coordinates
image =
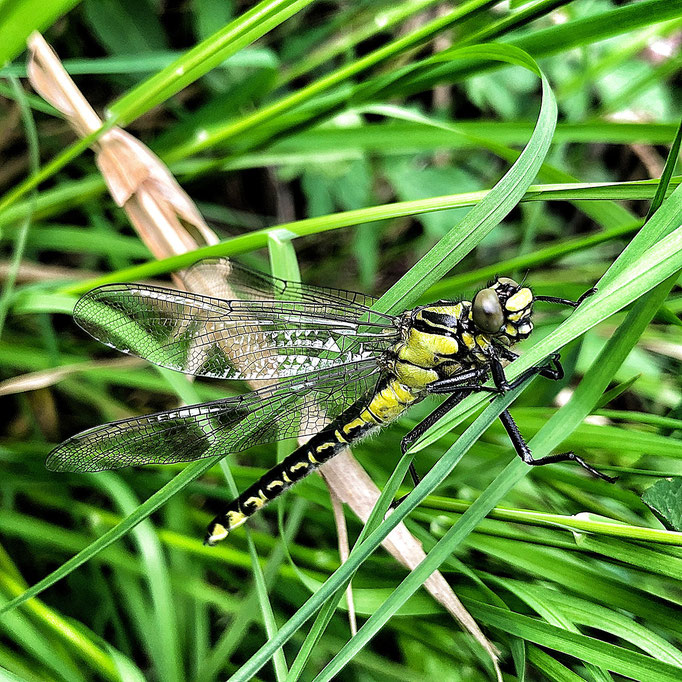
(233, 339)
(228, 279)
(293, 407)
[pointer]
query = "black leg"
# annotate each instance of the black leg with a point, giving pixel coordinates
(415, 482)
(459, 382)
(552, 370)
(523, 451)
(414, 475)
(468, 380)
(566, 301)
(420, 429)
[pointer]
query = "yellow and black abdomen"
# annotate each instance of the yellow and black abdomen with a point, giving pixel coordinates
(389, 400)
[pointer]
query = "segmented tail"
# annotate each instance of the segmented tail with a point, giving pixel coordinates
(297, 465)
(390, 399)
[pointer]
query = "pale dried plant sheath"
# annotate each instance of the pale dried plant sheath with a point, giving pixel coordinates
(160, 210)
(32, 381)
(169, 223)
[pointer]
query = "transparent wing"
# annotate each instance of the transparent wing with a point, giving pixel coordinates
(228, 279)
(296, 406)
(236, 339)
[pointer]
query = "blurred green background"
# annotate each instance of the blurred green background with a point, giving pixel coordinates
(298, 110)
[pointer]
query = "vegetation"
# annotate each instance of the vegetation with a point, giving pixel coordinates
(410, 150)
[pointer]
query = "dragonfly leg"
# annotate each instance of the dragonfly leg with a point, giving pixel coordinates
(551, 370)
(566, 301)
(468, 380)
(415, 482)
(414, 475)
(420, 429)
(524, 452)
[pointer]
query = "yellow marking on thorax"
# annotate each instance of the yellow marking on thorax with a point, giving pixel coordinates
(414, 377)
(482, 341)
(444, 345)
(510, 329)
(423, 348)
(449, 310)
(339, 437)
(417, 348)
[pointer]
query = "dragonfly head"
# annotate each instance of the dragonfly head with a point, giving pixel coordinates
(503, 311)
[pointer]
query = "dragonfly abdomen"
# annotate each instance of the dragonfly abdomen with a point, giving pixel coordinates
(390, 399)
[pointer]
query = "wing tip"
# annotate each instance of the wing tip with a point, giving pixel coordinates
(57, 459)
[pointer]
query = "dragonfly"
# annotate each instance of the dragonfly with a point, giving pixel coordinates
(335, 370)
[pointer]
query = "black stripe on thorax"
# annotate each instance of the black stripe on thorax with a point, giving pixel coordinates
(436, 323)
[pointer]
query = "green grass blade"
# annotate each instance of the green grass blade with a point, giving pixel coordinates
(615, 658)
(22, 232)
(190, 473)
(19, 19)
(244, 30)
(499, 201)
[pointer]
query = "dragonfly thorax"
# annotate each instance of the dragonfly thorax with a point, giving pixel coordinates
(438, 340)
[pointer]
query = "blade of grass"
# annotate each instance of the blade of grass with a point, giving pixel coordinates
(618, 659)
(548, 41)
(166, 655)
(239, 33)
(236, 35)
(231, 130)
(20, 18)
(499, 201)
(190, 473)
(325, 614)
(22, 233)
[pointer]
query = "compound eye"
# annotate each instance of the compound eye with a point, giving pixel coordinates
(487, 311)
